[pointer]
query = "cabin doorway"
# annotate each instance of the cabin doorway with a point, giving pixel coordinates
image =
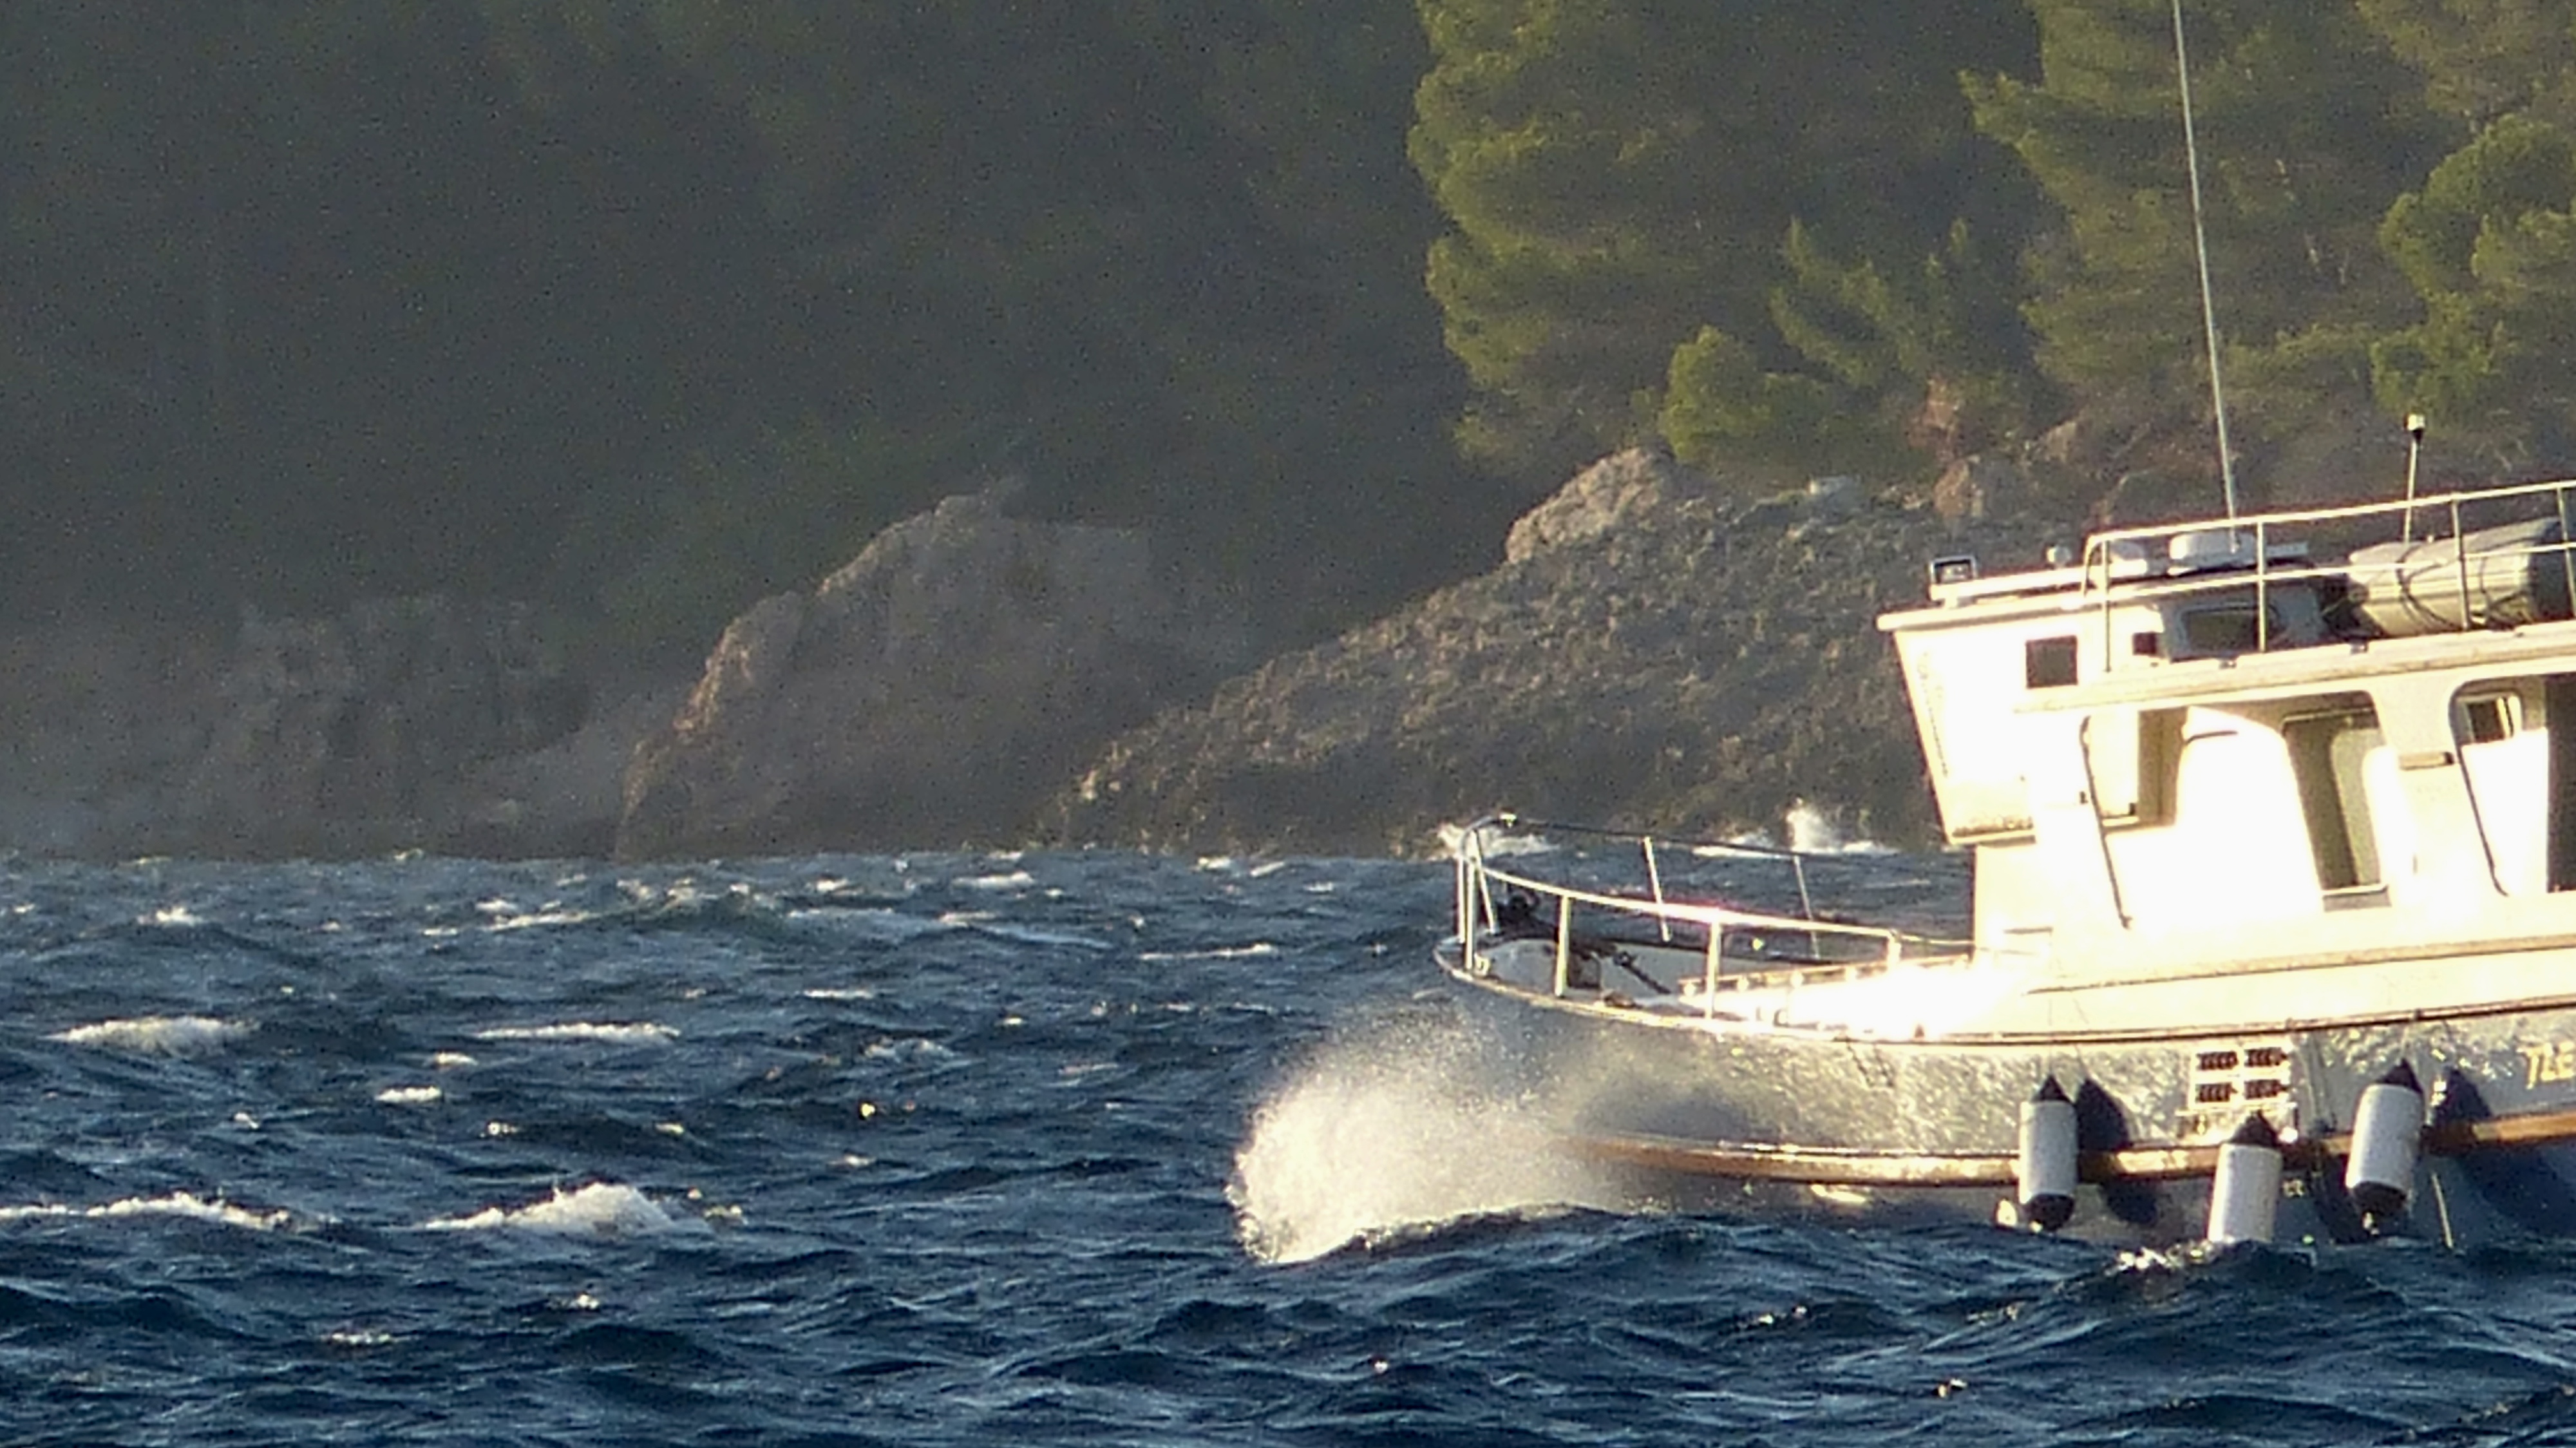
(2558, 703)
(2328, 753)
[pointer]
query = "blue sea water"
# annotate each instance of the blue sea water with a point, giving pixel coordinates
(1077, 1148)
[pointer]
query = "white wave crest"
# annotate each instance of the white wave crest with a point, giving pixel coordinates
(1012, 880)
(157, 1035)
(1394, 1129)
(1815, 830)
(538, 919)
(409, 1095)
(601, 1209)
(875, 921)
(907, 1048)
(1497, 845)
(1254, 951)
(176, 1204)
(623, 1032)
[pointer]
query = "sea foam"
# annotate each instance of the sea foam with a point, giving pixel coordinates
(176, 1204)
(157, 1035)
(622, 1032)
(601, 1209)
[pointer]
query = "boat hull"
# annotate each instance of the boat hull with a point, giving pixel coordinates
(1703, 1112)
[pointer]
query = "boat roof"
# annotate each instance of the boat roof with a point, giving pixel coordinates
(2202, 554)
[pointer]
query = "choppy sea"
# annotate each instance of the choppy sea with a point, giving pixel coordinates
(946, 1149)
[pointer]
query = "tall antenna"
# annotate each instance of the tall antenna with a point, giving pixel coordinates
(2200, 243)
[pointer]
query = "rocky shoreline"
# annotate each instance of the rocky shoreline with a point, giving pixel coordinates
(1657, 649)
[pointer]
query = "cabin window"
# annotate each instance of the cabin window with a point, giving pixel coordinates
(2227, 628)
(2327, 752)
(2049, 663)
(2489, 718)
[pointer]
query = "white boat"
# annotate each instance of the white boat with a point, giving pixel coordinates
(2272, 823)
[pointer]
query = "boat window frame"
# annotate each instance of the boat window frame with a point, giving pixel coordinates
(2048, 662)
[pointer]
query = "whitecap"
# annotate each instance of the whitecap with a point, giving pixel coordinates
(171, 917)
(1497, 844)
(1254, 951)
(550, 915)
(157, 1035)
(840, 993)
(907, 1048)
(1015, 880)
(1814, 830)
(621, 1032)
(449, 1060)
(409, 1095)
(176, 1204)
(1030, 935)
(601, 1209)
(893, 925)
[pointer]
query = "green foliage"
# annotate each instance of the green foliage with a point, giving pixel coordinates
(310, 301)
(1721, 406)
(1620, 174)
(2484, 59)
(1884, 338)
(2308, 129)
(2490, 244)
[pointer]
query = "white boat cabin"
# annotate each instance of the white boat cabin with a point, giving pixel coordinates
(2200, 742)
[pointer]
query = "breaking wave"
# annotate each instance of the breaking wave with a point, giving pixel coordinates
(601, 1209)
(176, 1204)
(157, 1035)
(622, 1032)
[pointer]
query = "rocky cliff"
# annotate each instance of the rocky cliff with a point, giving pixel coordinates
(934, 691)
(1656, 650)
(398, 723)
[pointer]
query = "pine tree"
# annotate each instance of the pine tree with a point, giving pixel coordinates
(2308, 127)
(1621, 176)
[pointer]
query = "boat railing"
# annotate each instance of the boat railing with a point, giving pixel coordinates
(2450, 552)
(1739, 949)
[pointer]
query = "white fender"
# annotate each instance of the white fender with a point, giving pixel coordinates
(2386, 1130)
(2245, 1195)
(2044, 1172)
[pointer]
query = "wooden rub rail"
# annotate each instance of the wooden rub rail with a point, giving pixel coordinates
(1832, 1166)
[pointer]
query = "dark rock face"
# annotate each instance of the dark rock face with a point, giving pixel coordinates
(936, 690)
(97, 725)
(407, 723)
(1654, 652)
(354, 733)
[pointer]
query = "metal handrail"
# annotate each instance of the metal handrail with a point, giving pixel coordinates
(1479, 877)
(2137, 576)
(2338, 513)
